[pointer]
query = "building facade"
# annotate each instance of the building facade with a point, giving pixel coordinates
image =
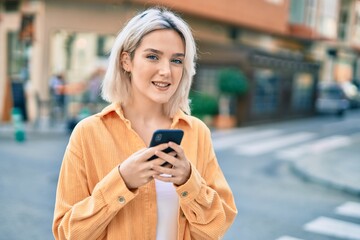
(277, 44)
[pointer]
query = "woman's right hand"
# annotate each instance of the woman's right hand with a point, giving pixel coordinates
(136, 170)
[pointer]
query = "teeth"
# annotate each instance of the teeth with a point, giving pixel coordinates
(158, 84)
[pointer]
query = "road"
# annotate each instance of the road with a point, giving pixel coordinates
(28, 178)
(273, 202)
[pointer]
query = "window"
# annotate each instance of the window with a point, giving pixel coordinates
(11, 5)
(104, 43)
(328, 18)
(311, 12)
(18, 57)
(356, 34)
(207, 80)
(304, 12)
(266, 93)
(344, 20)
(79, 54)
(302, 92)
(297, 8)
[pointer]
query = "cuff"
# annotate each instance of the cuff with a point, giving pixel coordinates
(114, 191)
(191, 188)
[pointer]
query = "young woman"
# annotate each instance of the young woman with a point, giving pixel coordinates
(107, 188)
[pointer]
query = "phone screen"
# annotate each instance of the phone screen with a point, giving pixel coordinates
(164, 136)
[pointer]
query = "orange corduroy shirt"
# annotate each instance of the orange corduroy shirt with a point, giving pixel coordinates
(93, 202)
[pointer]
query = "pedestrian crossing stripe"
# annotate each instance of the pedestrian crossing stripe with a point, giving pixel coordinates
(273, 140)
(333, 227)
(351, 209)
(235, 140)
(265, 146)
(287, 238)
(314, 147)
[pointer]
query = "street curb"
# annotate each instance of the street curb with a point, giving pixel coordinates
(301, 172)
(7, 134)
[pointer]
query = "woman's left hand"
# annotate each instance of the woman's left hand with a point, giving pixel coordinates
(180, 170)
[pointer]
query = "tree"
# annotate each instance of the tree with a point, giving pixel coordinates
(232, 83)
(203, 106)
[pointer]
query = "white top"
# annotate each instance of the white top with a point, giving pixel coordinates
(167, 211)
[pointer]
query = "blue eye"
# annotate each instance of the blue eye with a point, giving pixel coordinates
(177, 61)
(152, 57)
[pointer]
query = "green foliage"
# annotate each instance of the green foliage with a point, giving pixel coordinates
(232, 82)
(203, 104)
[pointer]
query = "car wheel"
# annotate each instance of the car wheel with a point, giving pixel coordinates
(340, 113)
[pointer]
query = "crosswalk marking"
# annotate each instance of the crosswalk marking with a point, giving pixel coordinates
(314, 147)
(351, 209)
(333, 227)
(228, 142)
(268, 145)
(287, 238)
(232, 131)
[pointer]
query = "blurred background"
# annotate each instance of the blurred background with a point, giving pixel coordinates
(277, 82)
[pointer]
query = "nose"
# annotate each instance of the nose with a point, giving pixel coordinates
(165, 68)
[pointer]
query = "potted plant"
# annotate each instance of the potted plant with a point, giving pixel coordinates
(203, 106)
(232, 84)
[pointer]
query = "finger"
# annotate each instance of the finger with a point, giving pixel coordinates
(149, 152)
(140, 151)
(151, 173)
(178, 149)
(156, 162)
(160, 147)
(165, 170)
(167, 164)
(162, 161)
(170, 158)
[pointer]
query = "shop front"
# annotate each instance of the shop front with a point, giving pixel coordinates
(47, 39)
(282, 81)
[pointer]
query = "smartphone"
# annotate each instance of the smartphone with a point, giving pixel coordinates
(164, 136)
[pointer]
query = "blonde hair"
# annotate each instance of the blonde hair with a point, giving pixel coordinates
(116, 84)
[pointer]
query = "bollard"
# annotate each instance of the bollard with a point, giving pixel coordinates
(18, 123)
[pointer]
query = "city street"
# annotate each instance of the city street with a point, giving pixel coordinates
(28, 178)
(273, 200)
(267, 65)
(264, 165)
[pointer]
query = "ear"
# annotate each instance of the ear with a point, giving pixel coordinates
(125, 61)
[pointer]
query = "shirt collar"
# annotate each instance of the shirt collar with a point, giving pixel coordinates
(116, 107)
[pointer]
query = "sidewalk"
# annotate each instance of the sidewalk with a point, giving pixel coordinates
(29, 172)
(33, 131)
(338, 169)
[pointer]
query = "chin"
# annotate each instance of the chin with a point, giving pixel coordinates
(161, 100)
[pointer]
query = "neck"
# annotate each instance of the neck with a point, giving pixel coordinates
(145, 113)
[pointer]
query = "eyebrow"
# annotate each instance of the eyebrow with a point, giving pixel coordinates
(161, 53)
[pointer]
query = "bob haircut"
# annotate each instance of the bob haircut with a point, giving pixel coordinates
(116, 84)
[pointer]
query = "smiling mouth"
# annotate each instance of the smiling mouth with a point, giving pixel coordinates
(161, 85)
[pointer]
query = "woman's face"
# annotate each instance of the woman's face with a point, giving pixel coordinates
(157, 66)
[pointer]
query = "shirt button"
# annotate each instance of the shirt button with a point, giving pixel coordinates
(184, 194)
(121, 199)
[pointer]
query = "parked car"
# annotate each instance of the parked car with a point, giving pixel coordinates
(331, 99)
(352, 94)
